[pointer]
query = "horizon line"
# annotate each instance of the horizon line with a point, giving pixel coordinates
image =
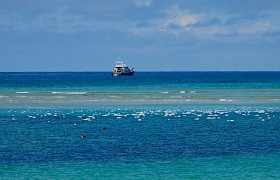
(137, 71)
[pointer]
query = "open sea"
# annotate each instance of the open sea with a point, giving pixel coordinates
(154, 125)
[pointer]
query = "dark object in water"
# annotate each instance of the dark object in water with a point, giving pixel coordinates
(83, 137)
(104, 128)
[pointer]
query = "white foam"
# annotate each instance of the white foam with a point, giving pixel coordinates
(227, 100)
(87, 119)
(69, 93)
(182, 92)
(22, 92)
(165, 92)
(261, 111)
(115, 96)
(213, 115)
(33, 117)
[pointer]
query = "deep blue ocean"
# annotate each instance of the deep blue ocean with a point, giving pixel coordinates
(154, 125)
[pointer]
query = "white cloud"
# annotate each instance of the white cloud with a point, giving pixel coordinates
(211, 32)
(142, 31)
(180, 22)
(181, 18)
(146, 3)
(176, 21)
(57, 22)
(258, 28)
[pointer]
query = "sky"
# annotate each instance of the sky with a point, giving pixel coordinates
(149, 35)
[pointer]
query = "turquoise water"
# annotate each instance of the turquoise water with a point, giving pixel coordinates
(232, 167)
(178, 125)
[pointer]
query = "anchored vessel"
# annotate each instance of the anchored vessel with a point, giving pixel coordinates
(122, 69)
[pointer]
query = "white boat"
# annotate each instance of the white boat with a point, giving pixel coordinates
(122, 69)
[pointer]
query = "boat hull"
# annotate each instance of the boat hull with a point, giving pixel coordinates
(123, 74)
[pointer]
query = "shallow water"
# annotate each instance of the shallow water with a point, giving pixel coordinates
(150, 126)
(174, 87)
(229, 167)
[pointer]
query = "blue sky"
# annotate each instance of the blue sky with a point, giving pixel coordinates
(151, 35)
